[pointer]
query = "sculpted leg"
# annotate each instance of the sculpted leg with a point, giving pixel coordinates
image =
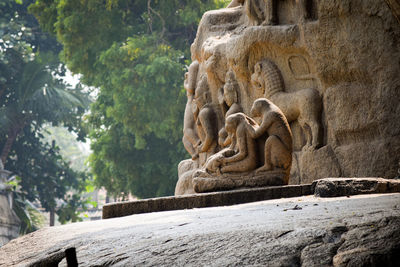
(189, 147)
(315, 135)
(302, 5)
(271, 10)
(277, 156)
(245, 165)
(307, 132)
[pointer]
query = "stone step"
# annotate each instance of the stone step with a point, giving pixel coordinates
(327, 187)
(203, 200)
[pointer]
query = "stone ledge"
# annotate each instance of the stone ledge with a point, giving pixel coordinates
(203, 200)
(335, 187)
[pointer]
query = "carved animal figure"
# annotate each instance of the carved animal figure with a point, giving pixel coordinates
(206, 120)
(214, 162)
(278, 144)
(190, 138)
(303, 105)
(255, 9)
(244, 146)
(265, 12)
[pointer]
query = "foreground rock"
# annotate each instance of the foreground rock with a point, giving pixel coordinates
(309, 231)
(335, 187)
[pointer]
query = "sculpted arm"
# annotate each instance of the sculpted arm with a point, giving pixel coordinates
(206, 122)
(228, 140)
(235, 3)
(191, 136)
(267, 120)
(242, 141)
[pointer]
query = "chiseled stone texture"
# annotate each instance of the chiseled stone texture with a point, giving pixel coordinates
(361, 230)
(347, 52)
(204, 200)
(334, 187)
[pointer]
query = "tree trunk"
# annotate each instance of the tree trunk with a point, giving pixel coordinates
(3, 89)
(11, 136)
(52, 217)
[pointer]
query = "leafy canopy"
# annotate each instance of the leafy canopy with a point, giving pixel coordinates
(136, 53)
(33, 94)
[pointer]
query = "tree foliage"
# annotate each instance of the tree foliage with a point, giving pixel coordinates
(136, 53)
(33, 94)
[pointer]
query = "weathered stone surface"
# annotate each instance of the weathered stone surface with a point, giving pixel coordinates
(395, 7)
(334, 187)
(303, 231)
(333, 70)
(318, 164)
(203, 200)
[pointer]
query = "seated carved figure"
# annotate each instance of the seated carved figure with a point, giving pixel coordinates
(223, 138)
(278, 144)
(214, 163)
(229, 101)
(231, 95)
(303, 105)
(244, 156)
(190, 138)
(206, 120)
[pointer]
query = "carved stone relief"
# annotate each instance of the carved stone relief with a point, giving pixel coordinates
(271, 85)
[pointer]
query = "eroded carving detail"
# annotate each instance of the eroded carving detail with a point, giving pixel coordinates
(265, 12)
(190, 138)
(206, 121)
(295, 65)
(278, 143)
(237, 139)
(239, 165)
(303, 105)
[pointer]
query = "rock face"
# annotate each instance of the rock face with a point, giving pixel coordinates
(331, 66)
(334, 187)
(361, 230)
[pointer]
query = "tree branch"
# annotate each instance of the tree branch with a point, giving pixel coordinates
(149, 8)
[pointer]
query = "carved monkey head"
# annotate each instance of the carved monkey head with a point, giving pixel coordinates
(232, 122)
(267, 78)
(259, 106)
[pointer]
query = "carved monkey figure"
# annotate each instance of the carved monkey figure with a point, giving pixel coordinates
(190, 138)
(206, 120)
(278, 145)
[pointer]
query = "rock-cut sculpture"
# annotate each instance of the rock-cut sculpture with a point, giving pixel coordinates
(280, 92)
(241, 164)
(303, 105)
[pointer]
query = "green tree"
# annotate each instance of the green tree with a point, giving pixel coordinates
(72, 150)
(136, 53)
(33, 94)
